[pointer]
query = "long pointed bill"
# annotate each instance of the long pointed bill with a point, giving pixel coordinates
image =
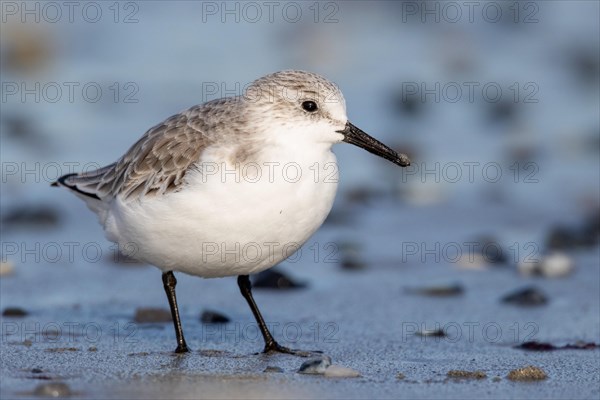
(359, 138)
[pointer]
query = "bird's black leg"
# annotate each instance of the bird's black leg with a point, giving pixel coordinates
(169, 282)
(270, 344)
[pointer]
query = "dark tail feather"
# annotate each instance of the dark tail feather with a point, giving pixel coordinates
(62, 182)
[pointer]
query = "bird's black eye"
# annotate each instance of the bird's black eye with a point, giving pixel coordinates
(310, 106)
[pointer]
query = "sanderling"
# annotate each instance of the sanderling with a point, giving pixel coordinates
(229, 187)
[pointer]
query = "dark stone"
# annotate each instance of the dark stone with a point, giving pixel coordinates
(30, 217)
(270, 279)
(490, 250)
(585, 66)
(273, 369)
(536, 346)
(352, 264)
(213, 317)
(561, 238)
(363, 195)
(18, 126)
(349, 252)
(502, 111)
(590, 230)
(567, 238)
(14, 312)
(529, 296)
(542, 346)
(431, 333)
(455, 289)
(408, 103)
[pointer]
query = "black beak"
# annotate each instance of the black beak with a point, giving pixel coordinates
(359, 138)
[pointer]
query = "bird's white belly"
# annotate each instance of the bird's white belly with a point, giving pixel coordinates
(224, 226)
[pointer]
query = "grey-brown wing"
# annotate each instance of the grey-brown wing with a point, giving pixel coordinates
(155, 164)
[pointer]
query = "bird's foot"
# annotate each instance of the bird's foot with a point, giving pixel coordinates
(182, 348)
(275, 347)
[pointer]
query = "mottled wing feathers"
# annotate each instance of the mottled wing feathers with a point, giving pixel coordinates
(155, 164)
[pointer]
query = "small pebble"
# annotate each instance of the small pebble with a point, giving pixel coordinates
(352, 264)
(270, 279)
(556, 265)
(536, 346)
(400, 376)
(348, 254)
(273, 369)
(529, 373)
(590, 230)
(529, 296)
(6, 268)
(581, 345)
(585, 235)
(472, 261)
(32, 51)
(542, 346)
(431, 332)
(151, 315)
(315, 366)
(15, 312)
(362, 195)
(460, 374)
(490, 250)
(454, 289)
(502, 111)
(92, 348)
(407, 103)
(54, 389)
(61, 349)
(553, 265)
(30, 217)
(529, 268)
(561, 238)
(140, 354)
(213, 317)
(585, 66)
(337, 371)
(427, 194)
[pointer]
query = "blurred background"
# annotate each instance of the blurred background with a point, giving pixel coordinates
(496, 104)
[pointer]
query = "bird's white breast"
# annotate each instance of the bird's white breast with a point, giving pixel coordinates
(228, 220)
